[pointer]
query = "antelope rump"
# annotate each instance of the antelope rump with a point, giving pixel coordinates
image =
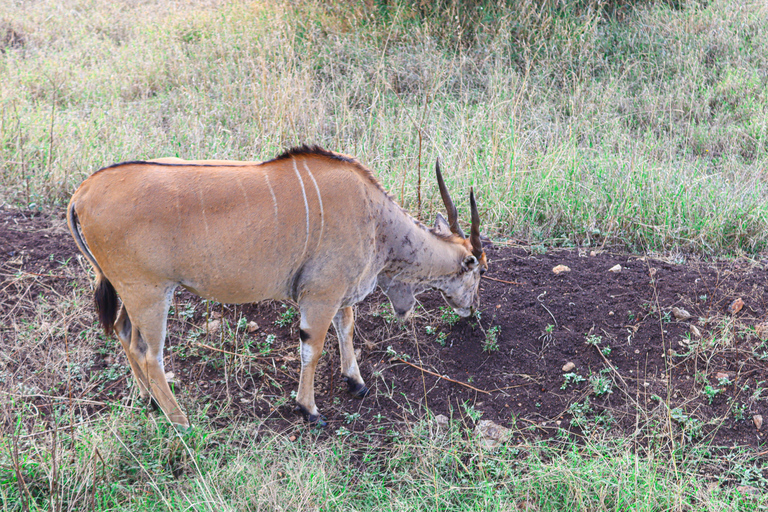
(311, 225)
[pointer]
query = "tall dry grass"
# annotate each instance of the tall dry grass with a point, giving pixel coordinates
(578, 123)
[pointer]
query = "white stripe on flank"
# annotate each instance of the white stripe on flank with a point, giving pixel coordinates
(306, 205)
(320, 199)
(274, 199)
(202, 208)
(242, 189)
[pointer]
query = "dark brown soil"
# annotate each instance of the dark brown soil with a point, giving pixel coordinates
(657, 377)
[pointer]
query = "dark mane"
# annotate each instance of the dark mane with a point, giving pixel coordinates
(307, 150)
(315, 150)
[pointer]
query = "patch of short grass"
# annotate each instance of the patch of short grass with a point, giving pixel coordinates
(576, 123)
(127, 462)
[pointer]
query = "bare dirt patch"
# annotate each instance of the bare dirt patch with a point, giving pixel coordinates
(633, 367)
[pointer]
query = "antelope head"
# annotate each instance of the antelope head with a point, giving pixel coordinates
(464, 261)
(460, 289)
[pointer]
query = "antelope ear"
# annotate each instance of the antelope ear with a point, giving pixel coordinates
(469, 263)
(441, 226)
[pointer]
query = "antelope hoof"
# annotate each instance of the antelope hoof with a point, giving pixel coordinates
(314, 420)
(356, 389)
(182, 427)
(153, 404)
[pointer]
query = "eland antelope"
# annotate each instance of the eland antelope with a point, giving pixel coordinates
(311, 225)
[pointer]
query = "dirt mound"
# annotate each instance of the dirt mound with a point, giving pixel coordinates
(597, 349)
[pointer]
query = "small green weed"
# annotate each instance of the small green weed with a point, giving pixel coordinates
(692, 427)
(738, 409)
(491, 342)
(601, 384)
(711, 392)
(470, 410)
(351, 417)
(449, 316)
(385, 313)
(580, 412)
(572, 378)
(287, 317)
(594, 340)
(391, 352)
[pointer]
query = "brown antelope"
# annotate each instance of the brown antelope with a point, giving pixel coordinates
(311, 225)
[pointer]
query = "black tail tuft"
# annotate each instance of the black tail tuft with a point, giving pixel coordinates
(105, 298)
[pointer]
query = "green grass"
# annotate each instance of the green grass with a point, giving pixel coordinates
(576, 124)
(119, 463)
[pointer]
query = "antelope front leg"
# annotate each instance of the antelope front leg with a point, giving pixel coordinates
(314, 325)
(344, 323)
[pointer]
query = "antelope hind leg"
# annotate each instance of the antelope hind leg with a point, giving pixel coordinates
(146, 350)
(344, 323)
(123, 329)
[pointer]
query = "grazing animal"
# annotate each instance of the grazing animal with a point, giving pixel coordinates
(311, 225)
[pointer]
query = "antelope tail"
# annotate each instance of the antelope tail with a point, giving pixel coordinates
(104, 295)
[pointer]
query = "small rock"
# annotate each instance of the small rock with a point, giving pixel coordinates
(681, 314)
(491, 434)
(721, 376)
(252, 326)
(761, 330)
(358, 353)
(558, 423)
(561, 268)
(757, 419)
(211, 327)
(695, 331)
(569, 366)
(611, 313)
(592, 253)
(291, 438)
(169, 376)
(615, 268)
(441, 421)
(736, 306)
